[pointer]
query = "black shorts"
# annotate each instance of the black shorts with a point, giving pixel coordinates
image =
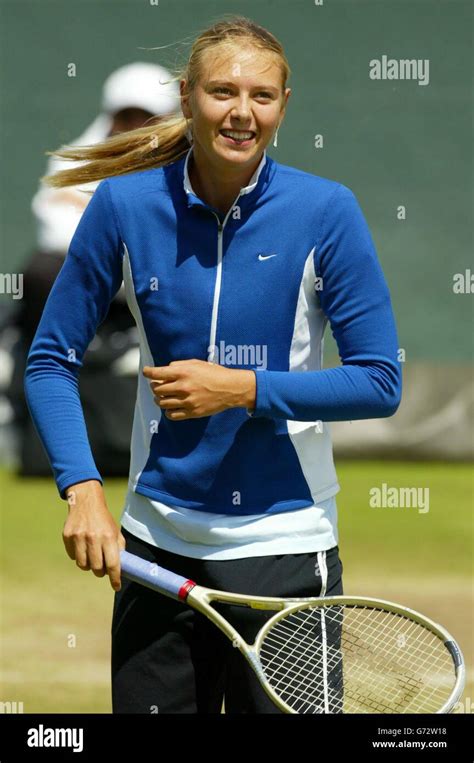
(168, 658)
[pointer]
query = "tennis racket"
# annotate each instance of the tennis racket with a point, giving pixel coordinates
(339, 654)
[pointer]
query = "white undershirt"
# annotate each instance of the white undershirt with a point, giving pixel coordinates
(204, 535)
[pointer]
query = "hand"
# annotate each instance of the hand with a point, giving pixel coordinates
(90, 533)
(191, 389)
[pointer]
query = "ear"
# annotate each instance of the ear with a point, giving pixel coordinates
(285, 101)
(185, 96)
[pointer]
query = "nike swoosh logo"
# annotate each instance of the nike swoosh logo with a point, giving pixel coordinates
(265, 256)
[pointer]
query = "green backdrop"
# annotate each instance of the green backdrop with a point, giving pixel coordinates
(392, 142)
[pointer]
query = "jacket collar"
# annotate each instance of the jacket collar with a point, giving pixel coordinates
(194, 200)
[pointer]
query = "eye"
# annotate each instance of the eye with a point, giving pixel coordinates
(226, 91)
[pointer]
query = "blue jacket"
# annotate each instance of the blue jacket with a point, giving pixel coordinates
(254, 289)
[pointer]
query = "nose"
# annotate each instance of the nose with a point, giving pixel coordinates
(241, 110)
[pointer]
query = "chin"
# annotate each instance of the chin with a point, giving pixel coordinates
(238, 155)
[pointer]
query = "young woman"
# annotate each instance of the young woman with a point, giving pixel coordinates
(232, 264)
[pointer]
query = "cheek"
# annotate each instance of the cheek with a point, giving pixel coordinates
(268, 125)
(212, 114)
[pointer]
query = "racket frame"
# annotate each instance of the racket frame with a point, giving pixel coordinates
(201, 599)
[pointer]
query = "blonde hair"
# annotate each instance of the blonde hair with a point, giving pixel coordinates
(165, 141)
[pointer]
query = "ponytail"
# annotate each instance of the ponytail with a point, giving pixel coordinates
(146, 147)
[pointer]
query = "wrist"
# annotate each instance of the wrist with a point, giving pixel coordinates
(246, 389)
(72, 492)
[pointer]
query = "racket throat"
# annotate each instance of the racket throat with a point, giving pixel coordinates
(185, 590)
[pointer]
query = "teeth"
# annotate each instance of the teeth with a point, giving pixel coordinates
(237, 135)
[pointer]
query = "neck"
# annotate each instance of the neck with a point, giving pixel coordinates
(218, 186)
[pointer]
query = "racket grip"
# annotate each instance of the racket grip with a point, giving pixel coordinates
(153, 576)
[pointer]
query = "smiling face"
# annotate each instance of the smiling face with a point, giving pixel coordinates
(236, 106)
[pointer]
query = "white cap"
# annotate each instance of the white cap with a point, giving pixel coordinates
(141, 85)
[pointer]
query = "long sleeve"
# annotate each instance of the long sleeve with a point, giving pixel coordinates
(77, 304)
(356, 301)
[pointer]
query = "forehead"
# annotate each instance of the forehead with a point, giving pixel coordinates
(240, 64)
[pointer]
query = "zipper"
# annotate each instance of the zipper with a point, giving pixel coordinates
(217, 287)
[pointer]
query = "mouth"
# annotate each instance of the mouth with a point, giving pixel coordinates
(238, 137)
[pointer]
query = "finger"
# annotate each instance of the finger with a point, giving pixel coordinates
(112, 563)
(165, 388)
(69, 546)
(178, 415)
(95, 556)
(169, 403)
(80, 553)
(159, 372)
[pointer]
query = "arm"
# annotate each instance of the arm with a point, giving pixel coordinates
(77, 304)
(356, 300)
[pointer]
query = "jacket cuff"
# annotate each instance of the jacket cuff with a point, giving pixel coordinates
(73, 479)
(261, 395)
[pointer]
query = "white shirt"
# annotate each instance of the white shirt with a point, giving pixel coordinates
(203, 535)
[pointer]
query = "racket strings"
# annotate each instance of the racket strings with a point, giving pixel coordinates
(293, 671)
(409, 666)
(348, 658)
(303, 679)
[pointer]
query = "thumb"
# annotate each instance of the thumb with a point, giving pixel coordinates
(121, 541)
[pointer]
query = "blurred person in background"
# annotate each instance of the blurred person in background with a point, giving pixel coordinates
(132, 96)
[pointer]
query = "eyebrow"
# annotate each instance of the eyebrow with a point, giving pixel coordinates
(232, 84)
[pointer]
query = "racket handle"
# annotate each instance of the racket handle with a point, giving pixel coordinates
(153, 576)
